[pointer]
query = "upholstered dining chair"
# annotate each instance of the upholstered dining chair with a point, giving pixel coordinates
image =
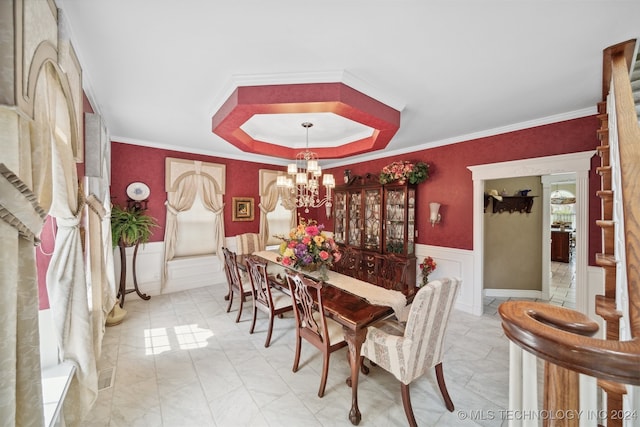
(269, 300)
(408, 351)
(248, 243)
(235, 281)
(312, 324)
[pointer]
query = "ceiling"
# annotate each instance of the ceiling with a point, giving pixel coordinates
(160, 71)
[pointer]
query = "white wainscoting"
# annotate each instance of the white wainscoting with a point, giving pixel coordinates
(183, 273)
(451, 262)
(193, 272)
(148, 264)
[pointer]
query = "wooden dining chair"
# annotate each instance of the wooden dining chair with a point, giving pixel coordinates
(267, 299)
(235, 281)
(312, 324)
(408, 351)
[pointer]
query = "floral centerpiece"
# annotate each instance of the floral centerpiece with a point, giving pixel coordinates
(403, 171)
(309, 247)
(426, 267)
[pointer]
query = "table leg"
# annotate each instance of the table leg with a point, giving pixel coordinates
(354, 340)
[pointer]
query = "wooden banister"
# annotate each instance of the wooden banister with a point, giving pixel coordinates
(563, 337)
(557, 334)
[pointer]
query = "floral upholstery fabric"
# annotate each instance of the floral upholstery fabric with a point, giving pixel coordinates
(407, 351)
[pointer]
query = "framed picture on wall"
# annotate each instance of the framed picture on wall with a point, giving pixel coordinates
(242, 209)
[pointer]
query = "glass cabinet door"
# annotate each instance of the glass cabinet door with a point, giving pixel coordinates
(355, 219)
(340, 217)
(395, 230)
(372, 220)
(411, 221)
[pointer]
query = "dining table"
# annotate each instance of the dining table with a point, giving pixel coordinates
(353, 303)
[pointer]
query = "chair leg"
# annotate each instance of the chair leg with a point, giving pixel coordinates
(269, 331)
(240, 309)
(406, 402)
(443, 387)
(296, 360)
(230, 300)
(325, 372)
(255, 314)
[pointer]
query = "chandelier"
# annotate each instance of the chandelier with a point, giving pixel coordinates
(303, 180)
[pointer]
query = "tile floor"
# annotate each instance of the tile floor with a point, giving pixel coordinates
(562, 288)
(180, 360)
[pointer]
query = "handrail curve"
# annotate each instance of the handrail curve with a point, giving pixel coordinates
(557, 334)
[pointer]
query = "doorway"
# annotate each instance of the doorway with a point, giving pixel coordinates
(575, 163)
(562, 216)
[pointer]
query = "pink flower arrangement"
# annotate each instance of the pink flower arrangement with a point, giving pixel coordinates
(427, 266)
(308, 244)
(403, 171)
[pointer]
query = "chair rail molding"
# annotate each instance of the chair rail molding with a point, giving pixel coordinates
(574, 163)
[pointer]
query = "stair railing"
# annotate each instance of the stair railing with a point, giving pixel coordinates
(563, 338)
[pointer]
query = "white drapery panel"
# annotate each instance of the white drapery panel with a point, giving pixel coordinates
(177, 201)
(268, 202)
(269, 195)
(66, 279)
(21, 221)
(212, 200)
(181, 193)
(103, 296)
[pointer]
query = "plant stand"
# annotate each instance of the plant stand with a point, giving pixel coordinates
(123, 274)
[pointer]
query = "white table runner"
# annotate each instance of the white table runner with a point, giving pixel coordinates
(372, 293)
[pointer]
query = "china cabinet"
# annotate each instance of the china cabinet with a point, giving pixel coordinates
(560, 246)
(378, 222)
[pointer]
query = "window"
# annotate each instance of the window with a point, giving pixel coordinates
(563, 209)
(196, 231)
(279, 223)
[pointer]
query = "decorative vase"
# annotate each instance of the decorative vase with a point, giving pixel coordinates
(425, 280)
(323, 272)
(320, 267)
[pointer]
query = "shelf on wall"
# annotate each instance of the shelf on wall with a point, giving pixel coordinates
(522, 204)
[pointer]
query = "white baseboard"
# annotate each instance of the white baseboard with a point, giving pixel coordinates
(513, 293)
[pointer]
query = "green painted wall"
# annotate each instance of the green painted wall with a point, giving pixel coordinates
(513, 241)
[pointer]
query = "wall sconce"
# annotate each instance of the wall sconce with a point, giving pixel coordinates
(347, 175)
(434, 207)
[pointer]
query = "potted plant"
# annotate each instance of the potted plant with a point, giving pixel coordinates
(131, 226)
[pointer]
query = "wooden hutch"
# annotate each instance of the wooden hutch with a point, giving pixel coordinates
(377, 222)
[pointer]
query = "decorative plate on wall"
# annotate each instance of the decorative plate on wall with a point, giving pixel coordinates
(138, 191)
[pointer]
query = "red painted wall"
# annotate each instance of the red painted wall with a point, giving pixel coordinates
(131, 163)
(451, 185)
